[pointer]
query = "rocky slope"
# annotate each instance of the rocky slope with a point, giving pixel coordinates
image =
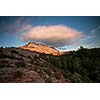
(21, 65)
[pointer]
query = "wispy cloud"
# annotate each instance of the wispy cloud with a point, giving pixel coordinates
(92, 39)
(54, 35)
(17, 25)
(95, 29)
(19, 20)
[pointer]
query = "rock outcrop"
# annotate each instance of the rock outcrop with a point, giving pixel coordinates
(31, 46)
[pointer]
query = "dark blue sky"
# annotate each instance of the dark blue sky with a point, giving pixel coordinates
(12, 29)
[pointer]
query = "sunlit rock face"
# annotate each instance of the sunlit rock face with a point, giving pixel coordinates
(41, 48)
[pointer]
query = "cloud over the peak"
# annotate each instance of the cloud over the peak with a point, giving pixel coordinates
(54, 35)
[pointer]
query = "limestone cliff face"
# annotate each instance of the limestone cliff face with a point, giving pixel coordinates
(41, 48)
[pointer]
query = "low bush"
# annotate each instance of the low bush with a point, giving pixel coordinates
(58, 75)
(20, 64)
(48, 80)
(14, 51)
(18, 74)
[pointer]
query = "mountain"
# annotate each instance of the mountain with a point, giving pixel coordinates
(21, 65)
(31, 46)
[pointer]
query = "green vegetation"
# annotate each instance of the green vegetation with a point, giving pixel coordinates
(83, 64)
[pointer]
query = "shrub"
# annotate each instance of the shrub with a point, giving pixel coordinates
(47, 71)
(18, 74)
(58, 75)
(14, 51)
(4, 61)
(1, 47)
(48, 80)
(2, 56)
(67, 74)
(2, 65)
(76, 78)
(20, 64)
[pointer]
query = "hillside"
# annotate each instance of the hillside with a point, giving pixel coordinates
(19, 65)
(25, 65)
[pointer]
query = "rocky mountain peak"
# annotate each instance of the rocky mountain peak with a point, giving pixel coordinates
(31, 44)
(41, 48)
